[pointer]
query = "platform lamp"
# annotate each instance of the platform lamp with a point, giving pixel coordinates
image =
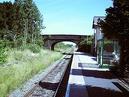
(101, 49)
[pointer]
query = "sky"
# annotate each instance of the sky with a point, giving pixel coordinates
(73, 17)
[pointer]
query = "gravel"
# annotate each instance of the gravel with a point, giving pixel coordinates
(48, 85)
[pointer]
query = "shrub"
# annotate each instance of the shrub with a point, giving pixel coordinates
(3, 55)
(33, 47)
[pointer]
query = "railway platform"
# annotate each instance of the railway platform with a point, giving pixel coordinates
(88, 80)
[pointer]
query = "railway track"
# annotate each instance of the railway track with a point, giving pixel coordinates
(55, 82)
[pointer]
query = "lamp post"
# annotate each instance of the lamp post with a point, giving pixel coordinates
(100, 49)
(99, 39)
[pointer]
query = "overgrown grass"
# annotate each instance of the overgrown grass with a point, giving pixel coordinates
(21, 66)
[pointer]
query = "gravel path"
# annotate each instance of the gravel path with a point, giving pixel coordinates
(47, 76)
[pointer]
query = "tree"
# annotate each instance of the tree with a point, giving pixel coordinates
(20, 21)
(31, 20)
(115, 26)
(7, 14)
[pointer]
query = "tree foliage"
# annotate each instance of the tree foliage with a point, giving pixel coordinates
(20, 26)
(116, 26)
(116, 21)
(87, 41)
(20, 21)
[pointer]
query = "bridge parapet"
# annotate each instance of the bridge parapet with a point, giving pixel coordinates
(51, 40)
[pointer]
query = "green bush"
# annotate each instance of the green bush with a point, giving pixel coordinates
(3, 55)
(33, 47)
(18, 56)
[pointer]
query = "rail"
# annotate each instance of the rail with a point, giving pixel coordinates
(61, 89)
(62, 81)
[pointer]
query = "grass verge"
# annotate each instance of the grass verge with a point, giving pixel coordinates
(21, 66)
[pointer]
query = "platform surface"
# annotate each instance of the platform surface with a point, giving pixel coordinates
(88, 80)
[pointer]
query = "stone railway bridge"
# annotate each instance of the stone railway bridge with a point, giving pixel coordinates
(51, 40)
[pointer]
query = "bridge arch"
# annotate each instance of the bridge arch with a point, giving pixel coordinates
(56, 42)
